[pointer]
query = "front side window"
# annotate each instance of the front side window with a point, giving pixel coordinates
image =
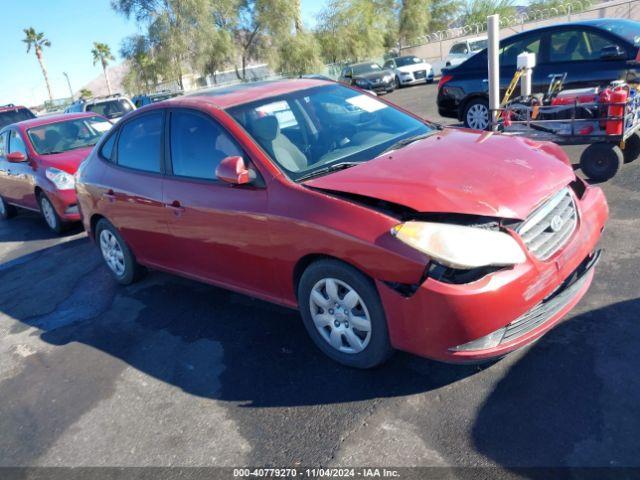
(478, 45)
(64, 136)
(334, 125)
(198, 145)
(110, 109)
(576, 45)
(139, 143)
(16, 144)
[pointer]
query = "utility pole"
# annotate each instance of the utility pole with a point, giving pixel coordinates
(69, 84)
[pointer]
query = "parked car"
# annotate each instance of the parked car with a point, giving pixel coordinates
(142, 100)
(38, 159)
(11, 114)
(409, 70)
(464, 49)
(112, 107)
(368, 76)
(386, 231)
(591, 53)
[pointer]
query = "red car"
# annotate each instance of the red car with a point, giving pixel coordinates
(38, 159)
(386, 231)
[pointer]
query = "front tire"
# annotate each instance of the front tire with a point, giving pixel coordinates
(116, 254)
(397, 82)
(476, 114)
(6, 211)
(632, 148)
(49, 214)
(343, 314)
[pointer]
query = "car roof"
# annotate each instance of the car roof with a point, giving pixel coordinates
(61, 117)
(593, 23)
(224, 97)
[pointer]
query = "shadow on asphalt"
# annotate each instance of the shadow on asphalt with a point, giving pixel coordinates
(30, 226)
(572, 399)
(204, 340)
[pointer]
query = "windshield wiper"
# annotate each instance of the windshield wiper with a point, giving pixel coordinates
(406, 141)
(328, 169)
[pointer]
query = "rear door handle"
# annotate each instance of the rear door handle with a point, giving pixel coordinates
(175, 207)
(109, 196)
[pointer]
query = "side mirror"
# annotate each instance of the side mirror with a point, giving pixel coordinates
(348, 75)
(612, 52)
(16, 157)
(233, 170)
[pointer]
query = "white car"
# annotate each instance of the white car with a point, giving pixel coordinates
(464, 49)
(409, 70)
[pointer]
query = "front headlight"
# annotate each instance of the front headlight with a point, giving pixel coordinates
(62, 180)
(460, 247)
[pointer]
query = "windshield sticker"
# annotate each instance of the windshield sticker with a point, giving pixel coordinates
(366, 103)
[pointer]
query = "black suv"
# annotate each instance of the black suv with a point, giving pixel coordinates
(591, 53)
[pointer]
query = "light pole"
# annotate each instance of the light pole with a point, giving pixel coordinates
(69, 84)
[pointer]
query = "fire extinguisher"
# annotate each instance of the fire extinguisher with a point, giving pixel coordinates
(615, 126)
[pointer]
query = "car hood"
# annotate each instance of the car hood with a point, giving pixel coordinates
(68, 161)
(414, 67)
(459, 171)
(373, 75)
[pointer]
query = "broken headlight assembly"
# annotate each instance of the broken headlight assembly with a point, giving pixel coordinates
(456, 249)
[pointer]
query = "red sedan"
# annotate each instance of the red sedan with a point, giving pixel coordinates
(386, 231)
(38, 159)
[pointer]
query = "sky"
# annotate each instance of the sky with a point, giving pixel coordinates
(72, 26)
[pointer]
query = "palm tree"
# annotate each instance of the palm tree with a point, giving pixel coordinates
(37, 41)
(102, 53)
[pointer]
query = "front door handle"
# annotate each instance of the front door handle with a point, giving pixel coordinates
(109, 196)
(175, 207)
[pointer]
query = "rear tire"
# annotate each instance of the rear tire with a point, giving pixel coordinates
(601, 161)
(343, 314)
(49, 214)
(7, 211)
(632, 148)
(117, 255)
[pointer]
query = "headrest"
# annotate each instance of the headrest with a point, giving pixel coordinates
(266, 128)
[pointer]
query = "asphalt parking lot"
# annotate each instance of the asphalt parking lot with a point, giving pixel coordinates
(173, 372)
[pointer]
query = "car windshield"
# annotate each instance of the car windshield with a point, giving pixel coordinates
(110, 109)
(366, 68)
(478, 45)
(67, 135)
(403, 61)
(627, 29)
(16, 115)
(309, 131)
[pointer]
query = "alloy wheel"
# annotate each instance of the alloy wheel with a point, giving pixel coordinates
(112, 252)
(340, 315)
(478, 116)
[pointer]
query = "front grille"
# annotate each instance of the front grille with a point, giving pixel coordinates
(420, 74)
(550, 226)
(552, 304)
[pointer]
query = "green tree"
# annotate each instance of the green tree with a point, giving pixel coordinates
(102, 54)
(300, 54)
(37, 41)
(443, 13)
(414, 17)
(86, 93)
(141, 75)
(477, 11)
(352, 30)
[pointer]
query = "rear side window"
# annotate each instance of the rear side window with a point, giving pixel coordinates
(107, 148)
(3, 144)
(459, 48)
(139, 143)
(509, 54)
(198, 145)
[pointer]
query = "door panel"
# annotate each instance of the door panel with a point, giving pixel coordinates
(20, 182)
(220, 232)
